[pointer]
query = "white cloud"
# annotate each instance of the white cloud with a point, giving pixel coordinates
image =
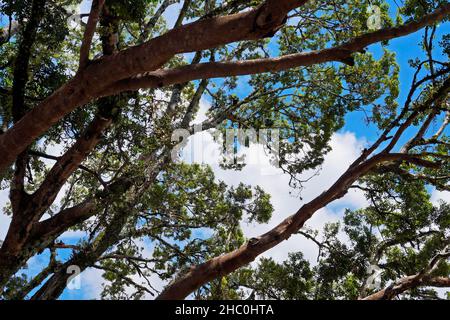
(437, 196)
(90, 281)
(4, 219)
(346, 147)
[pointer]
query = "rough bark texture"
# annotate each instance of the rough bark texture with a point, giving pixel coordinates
(166, 77)
(225, 264)
(26, 234)
(204, 34)
(88, 83)
(139, 67)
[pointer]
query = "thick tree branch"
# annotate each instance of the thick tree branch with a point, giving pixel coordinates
(94, 16)
(39, 278)
(166, 77)
(22, 235)
(88, 256)
(204, 34)
(227, 263)
(86, 85)
(20, 80)
(66, 165)
(91, 253)
(81, 167)
(56, 225)
(408, 283)
(437, 282)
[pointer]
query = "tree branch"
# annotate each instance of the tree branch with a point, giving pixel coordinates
(227, 263)
(54, 226)
(200, 35)
(94, 16)
(166, 77)
(423, 278)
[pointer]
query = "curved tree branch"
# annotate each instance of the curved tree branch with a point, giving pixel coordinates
(203, 34)
(94, 16)
(342, 53)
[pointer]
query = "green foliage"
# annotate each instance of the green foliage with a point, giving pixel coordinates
(129, 10)
(178, 215)
(400, 232)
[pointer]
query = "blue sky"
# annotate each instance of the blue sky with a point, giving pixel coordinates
(347, 144)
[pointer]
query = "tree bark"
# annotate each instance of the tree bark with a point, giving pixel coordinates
(227, 263)
(89, 82)
(342, 53)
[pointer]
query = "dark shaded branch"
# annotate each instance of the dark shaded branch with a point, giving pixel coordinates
(94, 16)
(165, 77)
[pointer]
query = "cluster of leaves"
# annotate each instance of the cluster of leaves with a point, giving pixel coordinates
(400, 232)
(189, 217)
(309, 104)
(185, 214)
